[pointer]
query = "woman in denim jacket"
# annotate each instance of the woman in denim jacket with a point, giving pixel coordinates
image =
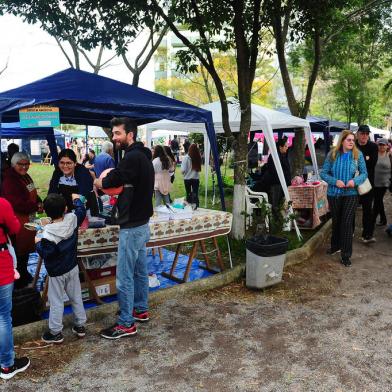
(344, 169)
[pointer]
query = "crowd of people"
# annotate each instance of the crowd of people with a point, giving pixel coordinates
(357, 171)
(143, 173)
(73, 189)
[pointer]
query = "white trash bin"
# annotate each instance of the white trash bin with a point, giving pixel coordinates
(265, 261)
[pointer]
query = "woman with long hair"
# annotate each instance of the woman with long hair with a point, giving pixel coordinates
(344, 169)
(173, 159)
(163, 166)
(191, 168)
(382, 180)
(71, 177)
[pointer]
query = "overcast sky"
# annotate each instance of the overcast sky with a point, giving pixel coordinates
(33, 54)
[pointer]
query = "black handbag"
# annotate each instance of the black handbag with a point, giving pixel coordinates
(121, 210)
(26, 306)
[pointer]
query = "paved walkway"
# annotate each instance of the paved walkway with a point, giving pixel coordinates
(325, 328)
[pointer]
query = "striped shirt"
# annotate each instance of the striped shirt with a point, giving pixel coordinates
(343, 168)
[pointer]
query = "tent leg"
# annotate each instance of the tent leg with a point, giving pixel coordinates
(228, 248)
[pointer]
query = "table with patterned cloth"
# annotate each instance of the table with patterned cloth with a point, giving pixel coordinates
(204, 224)
(312, 197)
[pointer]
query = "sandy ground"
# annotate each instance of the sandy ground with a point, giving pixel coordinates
(325, 328)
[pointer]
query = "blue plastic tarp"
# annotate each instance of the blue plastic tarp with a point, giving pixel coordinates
(90, 99)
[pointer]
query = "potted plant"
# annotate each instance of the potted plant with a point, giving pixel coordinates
(266, 251)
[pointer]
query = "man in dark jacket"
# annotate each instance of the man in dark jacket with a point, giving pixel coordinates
(58, 247)
(370, 153)
(136, 173)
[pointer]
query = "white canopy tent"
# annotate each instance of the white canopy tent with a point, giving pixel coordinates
(263, 119)
(166, 133)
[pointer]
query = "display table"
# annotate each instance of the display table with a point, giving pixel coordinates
(312, 197)
(205, 224)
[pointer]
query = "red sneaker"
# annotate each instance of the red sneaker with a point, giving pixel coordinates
(142, 316)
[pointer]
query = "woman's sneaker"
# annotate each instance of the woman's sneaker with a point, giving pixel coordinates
(142, 316)
(79, 331)
(48, 337)
(20, 365)
(333, 252)
(118, 331)
(346, 261)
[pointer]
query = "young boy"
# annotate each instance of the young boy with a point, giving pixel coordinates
(58, 247)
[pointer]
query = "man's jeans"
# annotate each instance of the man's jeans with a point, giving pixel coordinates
(132, 272)
(6, 337)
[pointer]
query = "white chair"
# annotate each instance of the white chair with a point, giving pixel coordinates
(251, 200)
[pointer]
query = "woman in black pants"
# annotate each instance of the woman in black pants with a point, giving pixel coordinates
(191, 168)
(382, 180)
(344, 169)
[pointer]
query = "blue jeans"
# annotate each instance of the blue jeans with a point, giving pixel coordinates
(6, 337)
(132, 272)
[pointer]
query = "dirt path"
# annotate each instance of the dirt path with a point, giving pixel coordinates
(325, 328)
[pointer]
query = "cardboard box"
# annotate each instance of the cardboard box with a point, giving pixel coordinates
(104, 287)
(99, 273)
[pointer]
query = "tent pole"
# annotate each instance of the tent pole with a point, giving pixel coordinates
(309, 140)
(86, 151)
(269, 136)
(214, 148)
(206, 166)
(148, 138)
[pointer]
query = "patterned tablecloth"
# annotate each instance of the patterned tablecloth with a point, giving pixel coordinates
(204, 224)
(313, 197)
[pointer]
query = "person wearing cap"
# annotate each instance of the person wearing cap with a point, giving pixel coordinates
(382, 180)
(370, 152)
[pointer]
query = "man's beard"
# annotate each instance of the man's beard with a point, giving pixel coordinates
(122, 145)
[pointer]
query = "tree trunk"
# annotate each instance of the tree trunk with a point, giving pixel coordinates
(240, 171)
(136, 77)
(298, 154)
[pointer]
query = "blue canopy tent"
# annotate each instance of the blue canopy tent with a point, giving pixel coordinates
(89, 99)
(14, 131)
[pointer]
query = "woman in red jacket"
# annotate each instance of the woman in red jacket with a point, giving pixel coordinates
(9, 365)
(18, 188)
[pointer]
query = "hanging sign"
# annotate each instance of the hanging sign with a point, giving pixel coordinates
(39, 116)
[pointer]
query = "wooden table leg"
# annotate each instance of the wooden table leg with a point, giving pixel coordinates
(204, 250)
(44, 296)
(170, 275)
(190, 259)
(206, 259)
(91, 288)
(160, 253)
(218, 254)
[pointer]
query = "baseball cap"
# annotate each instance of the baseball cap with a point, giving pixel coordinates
(382, 141)
(363, 128)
